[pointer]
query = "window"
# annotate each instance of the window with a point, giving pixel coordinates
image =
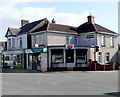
(20, 42)
(81, 55)
(67, 39)
(111, 41)
(13, 42)
(9, 42)
(90, 36)
(39, 39)
(100, 57)
(75, 40)
(107, 57)
(57, 55)
(103, 40)
(18, 59)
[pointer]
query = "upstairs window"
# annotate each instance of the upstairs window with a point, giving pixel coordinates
(90, 37)
(103, 40)
(20, 42)
(111, 41)
(67, 40)
(9, 42)
(75, 40)
(13, 42)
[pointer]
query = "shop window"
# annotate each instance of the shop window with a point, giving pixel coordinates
(19, 59)
(7, 60)
(57, 56)
(81, 55)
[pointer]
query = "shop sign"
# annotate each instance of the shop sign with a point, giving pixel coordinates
(39, 50)
(44, 50)
(69, 46)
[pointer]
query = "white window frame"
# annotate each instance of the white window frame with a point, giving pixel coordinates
(111, 41)
(100, 57)
(107, 55)
(9, 42)
(13, 43)
(103, 40)
(21, 42)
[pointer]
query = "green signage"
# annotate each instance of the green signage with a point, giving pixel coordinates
(39, 50)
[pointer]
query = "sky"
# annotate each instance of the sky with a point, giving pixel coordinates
(64, 12)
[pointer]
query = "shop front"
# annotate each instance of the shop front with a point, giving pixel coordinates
(34, 58)
(13, 59)
(62, 58)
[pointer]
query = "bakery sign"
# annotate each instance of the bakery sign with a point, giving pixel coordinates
(69, 46)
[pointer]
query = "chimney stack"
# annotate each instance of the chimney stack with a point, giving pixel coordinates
(91, 19)
(24, 22)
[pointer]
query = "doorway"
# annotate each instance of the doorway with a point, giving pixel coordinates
(70, 59)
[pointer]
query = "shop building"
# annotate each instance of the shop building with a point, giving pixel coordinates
(3, 46)
(61, 46)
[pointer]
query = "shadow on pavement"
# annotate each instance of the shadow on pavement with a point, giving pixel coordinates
(113, 94)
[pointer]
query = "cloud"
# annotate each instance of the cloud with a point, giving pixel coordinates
(11, 16)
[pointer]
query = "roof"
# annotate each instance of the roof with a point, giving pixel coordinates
(90, 27)
(60, 27)
(56, 27)
(12, 31)
(29, 26)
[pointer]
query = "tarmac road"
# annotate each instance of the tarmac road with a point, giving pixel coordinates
(61, 83)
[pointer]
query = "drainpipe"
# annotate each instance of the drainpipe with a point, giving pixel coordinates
(96, 44)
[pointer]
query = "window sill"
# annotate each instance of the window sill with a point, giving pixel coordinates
(103, 45)
(112, 46)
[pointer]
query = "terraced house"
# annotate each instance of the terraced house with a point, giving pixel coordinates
(44, 45)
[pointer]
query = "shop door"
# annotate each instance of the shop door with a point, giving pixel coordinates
(70, 58)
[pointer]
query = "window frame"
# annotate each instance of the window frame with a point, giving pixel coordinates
(103, 44)
(107, 56)
(111, 41)
(21, 43)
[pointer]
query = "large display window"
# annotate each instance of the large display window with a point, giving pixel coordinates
(81, 56)
(57, 56)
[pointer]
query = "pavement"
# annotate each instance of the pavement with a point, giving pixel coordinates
(61, 83)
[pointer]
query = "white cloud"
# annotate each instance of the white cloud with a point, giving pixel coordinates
(11, 16)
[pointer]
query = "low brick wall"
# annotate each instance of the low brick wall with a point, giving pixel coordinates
(107, 67)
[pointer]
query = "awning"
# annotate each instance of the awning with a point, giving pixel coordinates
(9, 52)
(28, 51)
